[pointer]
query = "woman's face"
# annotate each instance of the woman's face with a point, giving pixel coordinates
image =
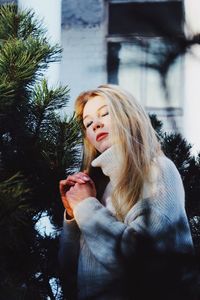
(97, 123)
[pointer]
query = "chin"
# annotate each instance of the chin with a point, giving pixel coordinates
(102, 149)
(105, 144)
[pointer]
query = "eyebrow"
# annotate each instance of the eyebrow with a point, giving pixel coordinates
(97, 110)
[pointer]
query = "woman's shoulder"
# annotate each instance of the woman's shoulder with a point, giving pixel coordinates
(169, 185)
(163, 174)
(165, 160)
(167, 169)
(162, 194)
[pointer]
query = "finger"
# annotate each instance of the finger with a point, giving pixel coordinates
(91, 182)
(76, 178)
(83, 176)
(64, 183)
(70, 182)
(64, 187)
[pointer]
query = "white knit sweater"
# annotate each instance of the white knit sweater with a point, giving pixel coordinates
(94, 244)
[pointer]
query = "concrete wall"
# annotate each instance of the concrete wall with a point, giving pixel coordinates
(49, 12)
(83, 63)
(192, 76)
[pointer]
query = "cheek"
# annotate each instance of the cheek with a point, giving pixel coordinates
(90, 137)
(108, 123)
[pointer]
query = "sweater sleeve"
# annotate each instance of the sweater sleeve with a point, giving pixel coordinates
(162, 219)
(69, 242)
(69, 245)
(111, 242)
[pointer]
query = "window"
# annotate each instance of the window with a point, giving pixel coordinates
(140, 34)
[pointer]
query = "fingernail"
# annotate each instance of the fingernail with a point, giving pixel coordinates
(82, 181)
(86, 178)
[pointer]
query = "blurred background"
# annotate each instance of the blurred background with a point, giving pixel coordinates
(137, 44)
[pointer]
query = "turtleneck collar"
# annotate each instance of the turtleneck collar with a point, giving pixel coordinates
(108, 162)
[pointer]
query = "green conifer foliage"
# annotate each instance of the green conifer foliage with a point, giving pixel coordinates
(37, 146)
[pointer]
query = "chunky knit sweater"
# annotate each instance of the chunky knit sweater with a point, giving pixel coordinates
(94, 246)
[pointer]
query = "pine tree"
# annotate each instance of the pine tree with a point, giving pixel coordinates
(38, 147)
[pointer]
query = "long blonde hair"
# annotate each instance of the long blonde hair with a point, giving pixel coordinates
(136, 139)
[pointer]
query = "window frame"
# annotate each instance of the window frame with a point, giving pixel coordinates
(168, 112)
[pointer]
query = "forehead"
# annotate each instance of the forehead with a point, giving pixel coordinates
(93, 104)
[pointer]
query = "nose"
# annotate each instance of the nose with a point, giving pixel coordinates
(97, 124)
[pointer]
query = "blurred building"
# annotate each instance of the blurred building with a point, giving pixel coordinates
(126, 42)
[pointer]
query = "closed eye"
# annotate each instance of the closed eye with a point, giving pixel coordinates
(105, 114)
(88, 124)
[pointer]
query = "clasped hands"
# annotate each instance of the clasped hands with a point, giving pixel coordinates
(75, 189)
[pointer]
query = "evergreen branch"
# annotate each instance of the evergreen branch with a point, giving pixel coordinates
(178, 149)
(61, 145)
(44, 102)
(48, 99)
(7, 89)
(23, 61)
(29, 25)
(8, 17)
(13, 195)
(15, 23)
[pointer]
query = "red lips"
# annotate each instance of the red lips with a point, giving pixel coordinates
(101, 136)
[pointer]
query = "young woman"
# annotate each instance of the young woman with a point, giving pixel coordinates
(128, 191)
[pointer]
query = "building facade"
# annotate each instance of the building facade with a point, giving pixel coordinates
(135, 44)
